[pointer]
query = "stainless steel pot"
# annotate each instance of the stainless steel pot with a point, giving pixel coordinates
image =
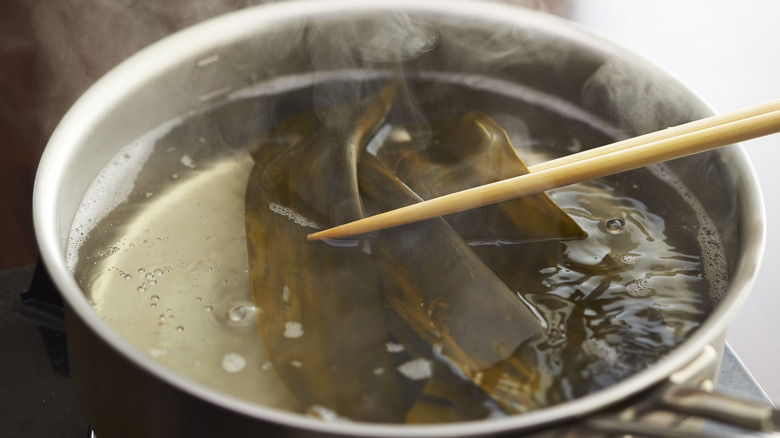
(124, 392)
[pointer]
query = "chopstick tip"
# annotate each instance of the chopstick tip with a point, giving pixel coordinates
(313, 237)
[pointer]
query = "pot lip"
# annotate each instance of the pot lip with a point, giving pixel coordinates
(103, 94)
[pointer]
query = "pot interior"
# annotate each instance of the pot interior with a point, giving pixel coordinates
(143, 190)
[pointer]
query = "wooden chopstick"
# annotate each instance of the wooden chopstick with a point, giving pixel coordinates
(656, 147)
(696, 125)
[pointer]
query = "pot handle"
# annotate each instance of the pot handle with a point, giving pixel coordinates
(678, 407)
(721, 407)
(690, 402)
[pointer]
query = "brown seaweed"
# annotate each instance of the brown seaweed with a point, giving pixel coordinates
(446, 396)
(319, 308)
(470, 151)
(323, 309)
(450, 161)
(468, 316)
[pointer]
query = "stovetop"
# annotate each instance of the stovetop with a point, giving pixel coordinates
(37, 398)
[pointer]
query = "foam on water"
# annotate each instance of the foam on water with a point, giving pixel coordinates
(293, 216)
(326, 415)
(628, 259)
(601, 349)
(639, 288)
(186, 161)
(112, 187)
(394, 348)
(233, 363)
(416, 369)
(714, 263)
(293, 329)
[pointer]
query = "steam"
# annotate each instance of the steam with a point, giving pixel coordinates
(393, 37)
(80, 40)
(636, 98)
(501, 47)
(365, 45)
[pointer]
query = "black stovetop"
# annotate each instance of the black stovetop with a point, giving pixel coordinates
(37, 398)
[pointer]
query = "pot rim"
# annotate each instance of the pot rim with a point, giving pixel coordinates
(132, 73)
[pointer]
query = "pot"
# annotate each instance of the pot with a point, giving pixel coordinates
(125, 392)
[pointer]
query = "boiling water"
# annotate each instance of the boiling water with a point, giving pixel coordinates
(159, 248)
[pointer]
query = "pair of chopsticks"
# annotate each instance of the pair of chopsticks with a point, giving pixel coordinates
(656, 147)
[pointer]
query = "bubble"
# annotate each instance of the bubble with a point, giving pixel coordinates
(713, 252)
(156, 352)
(416, 369)
(293, 329)
(601, 349)
(141, 288)
(233, 363)
(158, 271)
(179, 328)
(209, 308)
(628, 259)
(639, 288)
(112, 186)
(186, 161)
(141, 270)
(326, 415)
(615, 226)
(366, 246)
(394, 348)
(293, 216)
(155, 298)
(237, 313)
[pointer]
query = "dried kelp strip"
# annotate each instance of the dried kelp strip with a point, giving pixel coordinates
(323, 314)
(445, 395)
(320, 311)
(448, 296)
(473, 150)
(470, 151)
